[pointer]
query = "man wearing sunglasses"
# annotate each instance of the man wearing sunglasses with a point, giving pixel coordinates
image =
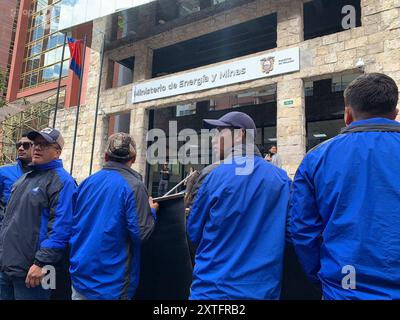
(37, 222)
(9, 174)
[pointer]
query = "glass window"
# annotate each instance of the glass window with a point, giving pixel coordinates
(120, 72)
(329, 15)
(33, 80)
(36, 49)
(43, 52)
(172, 9)
(65, 68)
(54, 25)
(50, 57)
(38, 20)
(320, 131)
(41, 4)
(55, 11)
(270, 135)
(188, 7)
(340, 83)
(244, 99)
(53, 41)
(185, 109)
(309, 88)
(28, 65)
(38, 33)
(48, 73)
(119, 123)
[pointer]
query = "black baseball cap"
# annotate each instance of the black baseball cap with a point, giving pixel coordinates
(235, 119)
(49, 134)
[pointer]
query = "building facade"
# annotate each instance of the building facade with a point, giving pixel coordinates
(36, 59)
(8, 14)
(296, 110)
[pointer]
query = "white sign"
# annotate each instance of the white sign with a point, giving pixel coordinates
(261, 66)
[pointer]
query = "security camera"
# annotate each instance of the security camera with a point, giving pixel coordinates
(360, 64)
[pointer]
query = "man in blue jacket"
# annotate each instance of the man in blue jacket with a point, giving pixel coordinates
(9, 174)
(237, 218)
(112, 215)
(37, 223)
(345, 217)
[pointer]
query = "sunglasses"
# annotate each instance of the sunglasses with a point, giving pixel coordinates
(45, 145)
(25, 145)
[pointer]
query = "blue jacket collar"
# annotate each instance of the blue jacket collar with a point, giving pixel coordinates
(47, 166)
(375, 121)
(243, 150)
(113, 165)
(22, 167)
(19, 163)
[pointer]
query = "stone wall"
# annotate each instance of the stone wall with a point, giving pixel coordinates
(376, 42)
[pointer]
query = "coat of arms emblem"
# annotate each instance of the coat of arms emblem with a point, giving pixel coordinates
(267, 64)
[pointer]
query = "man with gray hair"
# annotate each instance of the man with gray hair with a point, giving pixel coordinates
(112, 214)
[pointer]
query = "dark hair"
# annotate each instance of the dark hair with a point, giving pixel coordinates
(372, 94)
(24, 135)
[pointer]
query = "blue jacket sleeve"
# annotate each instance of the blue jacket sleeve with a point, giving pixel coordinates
(2, 199)
(139, 217)
(1, 185)
(306, 224)
(199, 212)
(59, 226)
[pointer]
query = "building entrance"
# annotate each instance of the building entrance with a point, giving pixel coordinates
(258, 104)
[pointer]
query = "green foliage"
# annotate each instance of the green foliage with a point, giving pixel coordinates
(3, 88)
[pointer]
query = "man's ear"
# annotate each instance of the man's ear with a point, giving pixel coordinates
(348, 116)
(239, 136)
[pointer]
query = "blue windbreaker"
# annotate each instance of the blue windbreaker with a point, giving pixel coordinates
(9, 174)
(238, 224)
(345, 216)
(37, 222)
(111, 217)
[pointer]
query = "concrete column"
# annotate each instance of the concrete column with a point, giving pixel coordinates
(140, 117)
(291, 123)
(139, 129)
(291, 130)
(143, 63)
(290, 23)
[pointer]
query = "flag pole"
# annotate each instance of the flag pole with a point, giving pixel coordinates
(97, 102)
(79, 104)
(59, 80)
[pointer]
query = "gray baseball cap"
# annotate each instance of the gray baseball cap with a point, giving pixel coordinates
(49, 134)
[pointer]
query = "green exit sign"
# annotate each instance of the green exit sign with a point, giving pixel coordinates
(288, 103)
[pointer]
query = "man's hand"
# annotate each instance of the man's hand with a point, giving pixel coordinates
(153, 205)
(34, 277)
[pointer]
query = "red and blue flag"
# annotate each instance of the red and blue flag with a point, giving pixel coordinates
(75, 48)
